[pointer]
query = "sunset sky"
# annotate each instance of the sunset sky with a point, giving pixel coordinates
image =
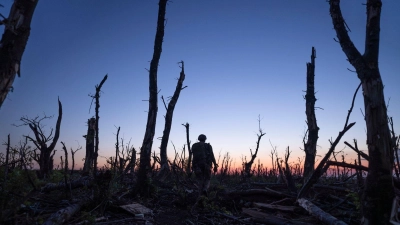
(242, 59)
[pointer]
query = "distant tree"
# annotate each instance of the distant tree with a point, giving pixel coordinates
(46, 152)
(13, 43)
(189, 163)
(310, 147)
(96, 123)
(145, 151)
(168, 120)
(89, 157)
(247, 165)
(378, 193)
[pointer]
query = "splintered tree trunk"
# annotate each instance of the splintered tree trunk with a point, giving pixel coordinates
(168, 121)
(378, 193)
(145, 151)
(310, 148)
(96, 124)
(188, 166)
(12, 44)
(88, 165)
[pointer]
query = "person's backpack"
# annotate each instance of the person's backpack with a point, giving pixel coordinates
(199, 153)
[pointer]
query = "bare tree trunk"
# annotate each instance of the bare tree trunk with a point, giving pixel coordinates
(96, 147)
(168, 120)
(395, 147)
(378, 193)
(145, 151)
(188, 168)
(73, 158)
(88, 165)
(13, 43)
(65, 169)
(288, 173)
(6, 165)
(310, 148)
(321, 168)
(116, 152)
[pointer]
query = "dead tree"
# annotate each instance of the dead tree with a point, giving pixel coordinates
(13, 43)
(45, 156)
(188, 166)
(310, 147)
(65, 168)
(116, 151)
(96, 124)
(378, 193)
(395, 140)
(89, 157)
(247, 165)
(145, 151)
(6, 161)
(73, 158)
(320, 168)
(168, 120)
(288, 173)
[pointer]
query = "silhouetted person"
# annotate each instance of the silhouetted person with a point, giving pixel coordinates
(203, 158)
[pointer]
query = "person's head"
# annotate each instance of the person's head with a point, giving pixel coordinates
(202, 138)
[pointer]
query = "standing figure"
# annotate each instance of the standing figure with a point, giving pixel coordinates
(203, 158)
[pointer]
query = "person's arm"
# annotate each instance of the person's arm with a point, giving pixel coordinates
(212, 156)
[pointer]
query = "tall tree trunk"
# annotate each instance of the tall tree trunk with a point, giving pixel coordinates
(12, 44)
(168, 120)
(88, 165)
(145, 151)
(310, 148)
(378, 193)
(188, 166)
(96, 124)
(116, 151)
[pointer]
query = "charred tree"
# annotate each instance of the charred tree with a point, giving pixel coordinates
(145, 151)
(378, 193)
(65, 168)
(6, 161)
(116, 151)
(310, 147)
(188, 166)
(320, 168)
(13, 43)
(168, 120)
(96, 124)
(73, 158)
(288, 173)
(89, 157)
(247, 165)
(45, 156)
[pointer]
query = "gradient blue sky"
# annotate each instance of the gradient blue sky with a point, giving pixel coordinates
(242, 59)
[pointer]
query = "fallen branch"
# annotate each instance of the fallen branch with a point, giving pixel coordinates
(365, 156)
(263, 218)
(64, 214)
(268, 192)
(320, 186)
(284, 208)
(322, 216)
(81, 182)
(347, 165)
